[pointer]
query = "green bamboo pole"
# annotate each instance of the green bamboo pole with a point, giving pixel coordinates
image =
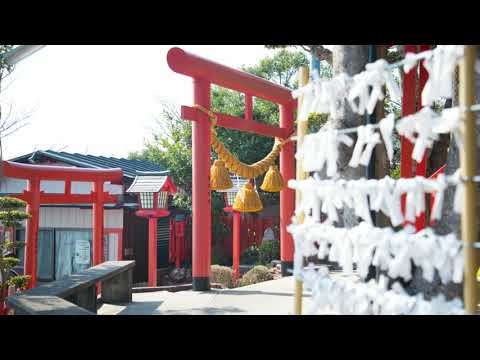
(468, 162)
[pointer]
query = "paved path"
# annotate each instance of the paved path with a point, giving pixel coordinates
(267, 298)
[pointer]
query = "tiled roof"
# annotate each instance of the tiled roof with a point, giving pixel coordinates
(129, 167)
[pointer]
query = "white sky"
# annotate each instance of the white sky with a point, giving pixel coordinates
(98, 99)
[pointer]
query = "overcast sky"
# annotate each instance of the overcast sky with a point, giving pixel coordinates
(101, 100)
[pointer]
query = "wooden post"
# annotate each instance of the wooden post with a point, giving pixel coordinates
(468, 163)
(236, 244)
(302, 129)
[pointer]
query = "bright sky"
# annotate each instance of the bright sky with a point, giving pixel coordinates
(101, 100)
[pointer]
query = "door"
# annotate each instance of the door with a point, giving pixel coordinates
(73, 252)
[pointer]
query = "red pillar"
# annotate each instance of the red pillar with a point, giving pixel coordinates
(201, 208)
(236, 244)
(31, 247)
(408, 108)
(152, 251)
(287, 195)
(98, 225)
(421, 168)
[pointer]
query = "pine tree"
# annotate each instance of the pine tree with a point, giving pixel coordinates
(11, 215)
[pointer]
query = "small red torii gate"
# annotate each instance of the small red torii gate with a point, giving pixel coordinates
(204, 73)
(34, 174)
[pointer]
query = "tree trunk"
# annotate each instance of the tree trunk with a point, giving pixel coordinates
(350, 59)
(382, 164)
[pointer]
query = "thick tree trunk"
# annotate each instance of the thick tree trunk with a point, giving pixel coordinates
(350, 59)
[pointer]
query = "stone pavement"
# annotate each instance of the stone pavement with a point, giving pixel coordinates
(267, 298)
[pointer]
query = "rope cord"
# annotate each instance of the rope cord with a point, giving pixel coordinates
(235, 165)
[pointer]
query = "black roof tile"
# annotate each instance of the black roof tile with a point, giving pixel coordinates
(129, 167)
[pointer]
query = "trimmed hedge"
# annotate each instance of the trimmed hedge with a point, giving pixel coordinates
(222, 275)
(256, 275)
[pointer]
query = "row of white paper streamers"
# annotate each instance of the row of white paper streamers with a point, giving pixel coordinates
(364, 196)
(422, 129)
(364, 90)
(372, 298)
(390, 251)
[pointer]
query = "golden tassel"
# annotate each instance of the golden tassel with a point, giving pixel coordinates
(273, 181)
(247, 200)
(219, 176)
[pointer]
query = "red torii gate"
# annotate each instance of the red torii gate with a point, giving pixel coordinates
(204, 73)
(34, 174)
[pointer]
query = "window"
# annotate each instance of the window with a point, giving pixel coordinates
(163, 200)
(146, 200)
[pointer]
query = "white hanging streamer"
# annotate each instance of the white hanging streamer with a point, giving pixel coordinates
(322, 148)
(441, 70)
(418, 128)
(366, 141)
(386, 129)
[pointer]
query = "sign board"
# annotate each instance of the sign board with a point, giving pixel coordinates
(82, 252)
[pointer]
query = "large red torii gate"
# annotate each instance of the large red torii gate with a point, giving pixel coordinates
(204, 73)
(34, 174)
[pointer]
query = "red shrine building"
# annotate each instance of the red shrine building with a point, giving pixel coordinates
(64, 244)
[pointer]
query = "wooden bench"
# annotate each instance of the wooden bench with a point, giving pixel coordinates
(77, 294)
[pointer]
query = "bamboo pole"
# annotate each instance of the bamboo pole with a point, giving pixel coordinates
(468, 164)
(302, 129)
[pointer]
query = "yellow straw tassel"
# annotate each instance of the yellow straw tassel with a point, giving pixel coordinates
(219, 176)
(247, 200)
(273, 181)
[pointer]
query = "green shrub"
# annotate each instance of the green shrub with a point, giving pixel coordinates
(222, 275)
(256, 275)
(250, 256)
(268, 251)
(19, 282)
